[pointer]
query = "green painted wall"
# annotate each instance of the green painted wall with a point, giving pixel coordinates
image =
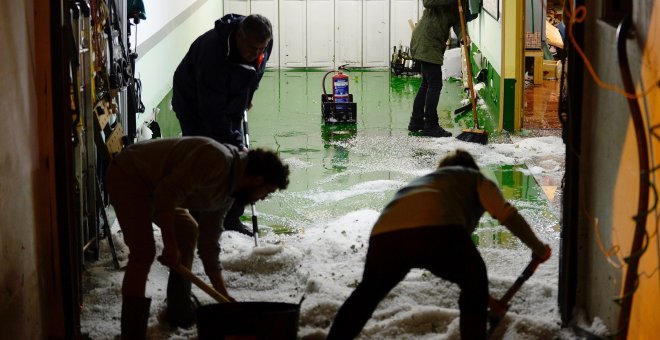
(488, 119)
(509, 104)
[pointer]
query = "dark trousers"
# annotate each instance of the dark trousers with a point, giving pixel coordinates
(233, 217)
(446, 251)
(426, 101)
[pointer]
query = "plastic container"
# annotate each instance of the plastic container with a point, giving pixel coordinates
(248, 320)
(334, 112)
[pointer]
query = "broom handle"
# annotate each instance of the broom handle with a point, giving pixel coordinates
(181, 269)
(469, 67)
(255, 226)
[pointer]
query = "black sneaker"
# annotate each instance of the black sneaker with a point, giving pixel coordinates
(436, 131)
(415, 124)
(239, 227)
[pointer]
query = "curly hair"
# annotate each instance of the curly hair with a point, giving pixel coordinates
(459, 157)
(266, 163)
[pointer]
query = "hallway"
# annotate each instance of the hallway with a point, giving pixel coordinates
(540, 107)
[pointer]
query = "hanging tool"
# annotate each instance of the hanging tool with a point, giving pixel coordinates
(474, 135)
(498, 308)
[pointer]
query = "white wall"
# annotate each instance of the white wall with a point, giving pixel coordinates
(292, 38)
(307, 33)
(329, 33)
(320, 33)
(376, 33)
(159, 14)
(486, 33)
(400, 30)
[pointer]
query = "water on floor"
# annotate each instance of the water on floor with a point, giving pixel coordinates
(341, 177)
(338, 168)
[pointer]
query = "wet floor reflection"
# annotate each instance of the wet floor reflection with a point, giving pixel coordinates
(520, 187)
(340, 168)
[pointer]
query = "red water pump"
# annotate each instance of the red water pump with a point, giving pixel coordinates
(340, 87)
(340, 92)
(338, 107)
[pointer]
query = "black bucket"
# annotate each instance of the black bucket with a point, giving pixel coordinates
(248, 320)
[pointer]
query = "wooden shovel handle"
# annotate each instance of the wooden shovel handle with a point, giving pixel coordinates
(181, 269)
(473, 100)
(499, 307)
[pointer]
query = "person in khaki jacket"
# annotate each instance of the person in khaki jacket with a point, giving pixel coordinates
(428, 225)
(427, 47)
(157, 181)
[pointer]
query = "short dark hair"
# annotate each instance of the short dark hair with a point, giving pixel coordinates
(257, 26)
(267, 163)
(459, 158)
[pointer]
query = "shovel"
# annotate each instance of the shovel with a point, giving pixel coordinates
(266, 250)
(255, 225)
(181, 269)
(498, 308)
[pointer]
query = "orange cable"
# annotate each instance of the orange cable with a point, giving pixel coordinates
(579, 15)
(612, 252)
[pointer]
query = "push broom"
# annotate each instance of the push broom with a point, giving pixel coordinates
(474, 135)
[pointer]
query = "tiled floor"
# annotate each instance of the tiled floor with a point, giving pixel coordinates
(540, 106)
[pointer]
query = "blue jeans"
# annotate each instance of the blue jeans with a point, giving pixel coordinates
(425, 105)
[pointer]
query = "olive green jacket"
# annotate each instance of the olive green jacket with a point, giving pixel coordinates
(429, 39)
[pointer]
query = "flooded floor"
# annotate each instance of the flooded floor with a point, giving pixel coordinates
(338, 168)
(341, 178)
(540, 106)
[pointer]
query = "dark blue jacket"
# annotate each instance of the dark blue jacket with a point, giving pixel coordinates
(212, 88)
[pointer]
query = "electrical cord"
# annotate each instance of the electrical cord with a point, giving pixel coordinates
(641, 237)
(579, 15)
(640, 240)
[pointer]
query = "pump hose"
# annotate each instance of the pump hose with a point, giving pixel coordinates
(323, 81)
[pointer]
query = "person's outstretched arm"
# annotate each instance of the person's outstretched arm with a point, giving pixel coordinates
(497, 206)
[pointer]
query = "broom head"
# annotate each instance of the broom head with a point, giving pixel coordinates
(474, 136)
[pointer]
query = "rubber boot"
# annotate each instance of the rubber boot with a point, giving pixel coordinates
(134, 317)
(432, 129)
(416, 124)
(181, 310)
(473, 326)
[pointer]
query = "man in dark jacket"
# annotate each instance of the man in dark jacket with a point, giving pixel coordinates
(428, 225)
(216, 80)
(213, 87)
(427, 46)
